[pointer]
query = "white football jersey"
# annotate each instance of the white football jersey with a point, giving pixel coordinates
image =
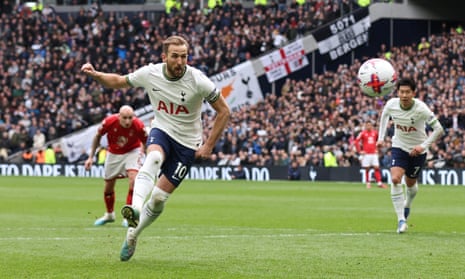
(177, 103)
(409, 125)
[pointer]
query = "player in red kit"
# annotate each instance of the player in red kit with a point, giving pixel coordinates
(126, 138)
(369, 153)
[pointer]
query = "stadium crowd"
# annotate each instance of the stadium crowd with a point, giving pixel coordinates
(43, 96)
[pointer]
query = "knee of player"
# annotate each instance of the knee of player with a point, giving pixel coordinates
(154, 157)
(396, 179)
(160, 196)
(158, 199)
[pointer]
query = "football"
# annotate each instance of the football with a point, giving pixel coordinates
(377, 77)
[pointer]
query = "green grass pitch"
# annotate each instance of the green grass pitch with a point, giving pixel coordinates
(231, 229)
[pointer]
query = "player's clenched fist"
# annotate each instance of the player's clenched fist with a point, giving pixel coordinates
(88, 69)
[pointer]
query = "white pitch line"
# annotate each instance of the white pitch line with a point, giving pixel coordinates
(218, 236)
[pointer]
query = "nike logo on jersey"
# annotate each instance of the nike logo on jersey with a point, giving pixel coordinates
(156, 89)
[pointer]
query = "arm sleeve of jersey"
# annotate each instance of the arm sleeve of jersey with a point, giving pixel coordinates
(211, 93)
(135, 78)
(438, 130)
(102, 129)
(383, 125)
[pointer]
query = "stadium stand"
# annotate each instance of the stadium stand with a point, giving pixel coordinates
(42, 90)
(38, 93)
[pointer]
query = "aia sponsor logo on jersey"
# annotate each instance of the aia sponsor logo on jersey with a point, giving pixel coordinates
(172, 108)
(406, 129)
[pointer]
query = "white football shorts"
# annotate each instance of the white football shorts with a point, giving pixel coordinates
(117, 165)
(370, 160)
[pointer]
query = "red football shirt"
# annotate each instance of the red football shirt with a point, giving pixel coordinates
(368, 140)
(122, 140)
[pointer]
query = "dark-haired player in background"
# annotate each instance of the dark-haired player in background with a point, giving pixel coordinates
(410, 117)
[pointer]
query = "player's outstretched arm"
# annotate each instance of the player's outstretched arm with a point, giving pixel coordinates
(109, 80)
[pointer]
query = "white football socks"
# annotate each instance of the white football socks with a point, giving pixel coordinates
(152, 209)
(398, 199)
(411, 193)
(146, 178)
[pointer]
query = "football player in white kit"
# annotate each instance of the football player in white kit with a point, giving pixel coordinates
(410, 117)
(176, 92)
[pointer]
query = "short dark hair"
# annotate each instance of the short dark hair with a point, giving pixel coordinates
(407, 82)
(174, 40)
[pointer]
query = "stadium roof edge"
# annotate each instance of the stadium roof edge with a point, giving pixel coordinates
(112, 8)
(412, 10)
(155, 7)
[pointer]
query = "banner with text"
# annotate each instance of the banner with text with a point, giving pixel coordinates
(239, 86)
(446, 177)
(282, 62)
(344, 35)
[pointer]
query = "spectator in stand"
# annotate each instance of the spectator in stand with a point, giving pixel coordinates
(50, 157)
(386, 158)
(423, 44)
(329, 158)
(59, 155)
(27, 156)
(40, 156)
(82, 157)
(38, 140)
(293, 172)
(214, 3)
(238, 172)
(4, 146)
(17, 136)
